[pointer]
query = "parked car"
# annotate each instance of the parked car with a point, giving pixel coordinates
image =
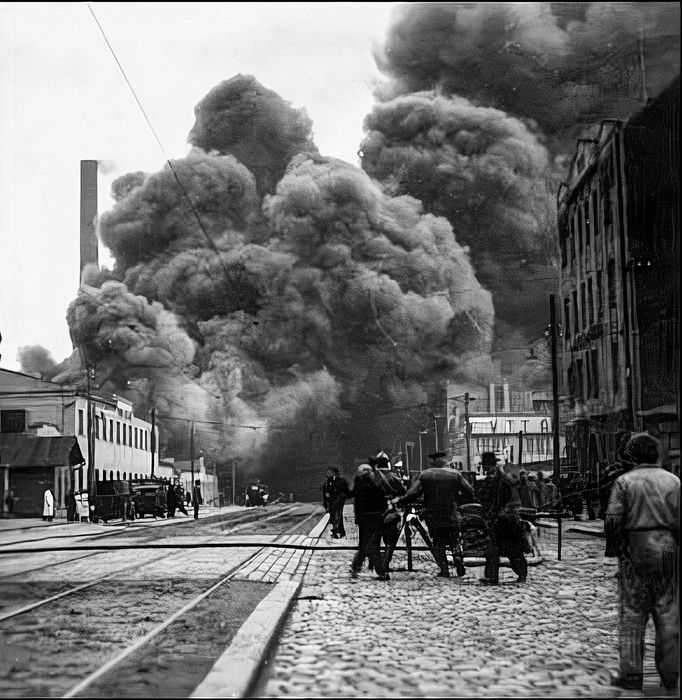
(144, 493)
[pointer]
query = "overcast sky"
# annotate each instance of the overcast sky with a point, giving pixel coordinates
(63, 99)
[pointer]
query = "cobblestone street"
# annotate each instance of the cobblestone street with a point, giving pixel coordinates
(418, 635)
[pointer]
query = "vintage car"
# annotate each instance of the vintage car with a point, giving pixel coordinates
(144, 492)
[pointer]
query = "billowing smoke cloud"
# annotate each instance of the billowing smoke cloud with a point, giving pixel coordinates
(291, 319)
(482, 105)
(255, 125)
(561, 65)
(37, 361)
(488, 175)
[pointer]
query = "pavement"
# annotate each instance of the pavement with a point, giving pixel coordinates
(422, 636)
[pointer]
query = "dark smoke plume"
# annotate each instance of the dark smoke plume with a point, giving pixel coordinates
(37, 361)
(255, 125)
(562, 65)
(488, 175)
(291, 323)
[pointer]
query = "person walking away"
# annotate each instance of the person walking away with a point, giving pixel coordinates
(507, 536)
(179, 500)
(197, 500)
(393, 487)
(160, 503)
(642, 529)
(171, 501)
(337, 491)
(370, 506)
(48, 505)
(443, 490)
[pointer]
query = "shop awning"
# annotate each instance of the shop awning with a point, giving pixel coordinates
(25, 450)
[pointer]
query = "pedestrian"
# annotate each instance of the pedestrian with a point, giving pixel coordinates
(337, 492)
(542, 490)
(443, 491)
(179, 500)
(642, 529)
(507, 537)
(9, 500)
(370, 506)
(160, 503)
(197, 500)
(188, 498)
(48, 505)
(527, 493)
(171, 501)
(393, 487)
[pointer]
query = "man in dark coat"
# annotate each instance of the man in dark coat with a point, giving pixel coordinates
(337, 492)
(443, 490)
(642, 529)
(393, 486)
(171, 501)
(370, 506)
(506, 531)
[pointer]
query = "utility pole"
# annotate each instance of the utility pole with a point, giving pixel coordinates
(191, 450)
(234, 481)
(467, 429)
(556, 470)
(435, 428)
(153, 439)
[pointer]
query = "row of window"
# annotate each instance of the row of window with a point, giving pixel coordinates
(531, 445)
(584, 218)
(579, 317)
(125, 434)
(584, 375)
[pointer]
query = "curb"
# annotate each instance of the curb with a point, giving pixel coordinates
(237, 668)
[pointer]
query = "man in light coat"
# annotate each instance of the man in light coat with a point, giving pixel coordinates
(642, 529)
(48, 505)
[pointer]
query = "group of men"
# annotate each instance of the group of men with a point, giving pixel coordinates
(641, 525)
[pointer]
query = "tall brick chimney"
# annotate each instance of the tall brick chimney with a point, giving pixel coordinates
(88, 239)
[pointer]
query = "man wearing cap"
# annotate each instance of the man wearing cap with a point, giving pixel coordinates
(443, 490)
(642, 528)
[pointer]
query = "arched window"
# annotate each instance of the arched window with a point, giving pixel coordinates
(124, 476)
(111, 476)
(97, 474)
(118, 476)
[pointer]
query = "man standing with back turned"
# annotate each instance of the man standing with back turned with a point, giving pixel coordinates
(443, 490)
(642, 530)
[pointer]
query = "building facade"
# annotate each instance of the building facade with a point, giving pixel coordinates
(619, 287)
(118, 445)
(516, 425)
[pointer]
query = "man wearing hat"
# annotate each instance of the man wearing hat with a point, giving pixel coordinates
(643, 528)
(393, 487)
(443, 490)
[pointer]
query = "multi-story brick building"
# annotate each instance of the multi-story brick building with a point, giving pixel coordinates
(618, 218)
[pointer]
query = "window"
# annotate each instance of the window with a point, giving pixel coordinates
(130, 435)
(104, 427)
(499, 399)
(97, 424)
(580, 231)
(111, 476)
(124, 434)
(567, 318)
(614, 367)
(590, 302)
(572, 241)
(588, 373)
(118, 432)
(80, 422)
(583, 306)
(13, 421)
(586, 212)
(111, 430)
(118, 476)
(146, 442)
(97, 475)
(135, 437)
(575, 311)
(544, 426)
(600, 300)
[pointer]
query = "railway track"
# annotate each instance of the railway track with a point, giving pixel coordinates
(166, 618)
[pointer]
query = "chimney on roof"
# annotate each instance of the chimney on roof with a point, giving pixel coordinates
(88, 237)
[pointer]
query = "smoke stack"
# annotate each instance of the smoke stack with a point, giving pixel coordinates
(88, 239)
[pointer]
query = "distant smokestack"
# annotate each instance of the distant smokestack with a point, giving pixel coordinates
(88, 241)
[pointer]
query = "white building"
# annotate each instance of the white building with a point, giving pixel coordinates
(119, 445)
